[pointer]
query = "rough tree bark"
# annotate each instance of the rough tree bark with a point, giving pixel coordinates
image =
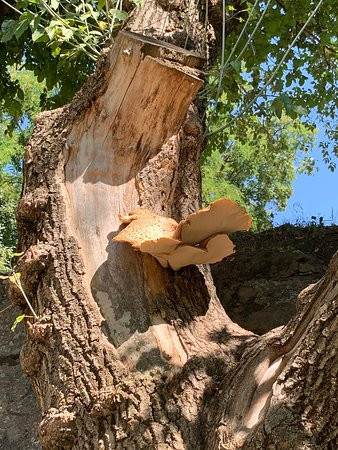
(126, 354)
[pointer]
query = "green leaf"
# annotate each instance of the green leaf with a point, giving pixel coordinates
(39, 36)
(101, 4)
(8, 29)
(120, 15)
(277, 106)
(103, 25)
(51, 32)
(21, 4)
(17, 321)
(300, 110)
(236, 65)
(20, 94)
(14, 108)
(288, 105)
(27, 15)
(85, 16)
(18, 254)
(67, 33)
(95, 33)
(54, 4)
(35, 22)
(94, 14)
(21, 28)
(56, 49)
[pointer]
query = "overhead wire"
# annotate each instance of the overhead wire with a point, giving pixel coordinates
(266, 84)
(254, 31)
(223, 54)
(225, 64)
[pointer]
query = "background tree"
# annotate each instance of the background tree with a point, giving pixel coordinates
(266, 69)
(16, 124)
(257, 170)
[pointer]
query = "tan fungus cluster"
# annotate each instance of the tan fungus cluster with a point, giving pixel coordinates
(202, 238)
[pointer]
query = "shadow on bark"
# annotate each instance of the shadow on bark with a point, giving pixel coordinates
(130, 307)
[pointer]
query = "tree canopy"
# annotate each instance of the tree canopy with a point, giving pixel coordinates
(257, 171)
(61, 40)
(266, 70)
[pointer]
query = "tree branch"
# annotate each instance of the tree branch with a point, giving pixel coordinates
(315, 39)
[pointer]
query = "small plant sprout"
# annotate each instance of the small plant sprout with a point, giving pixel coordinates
(14, 277)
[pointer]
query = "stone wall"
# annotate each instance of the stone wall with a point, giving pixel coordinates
(258, 286)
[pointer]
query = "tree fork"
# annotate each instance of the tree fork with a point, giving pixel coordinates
(170, 369)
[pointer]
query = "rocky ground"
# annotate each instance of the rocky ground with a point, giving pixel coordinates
(19, 415)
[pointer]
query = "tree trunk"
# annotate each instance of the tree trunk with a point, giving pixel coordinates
(126, 354)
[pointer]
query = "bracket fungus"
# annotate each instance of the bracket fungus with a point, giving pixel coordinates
(202, 238)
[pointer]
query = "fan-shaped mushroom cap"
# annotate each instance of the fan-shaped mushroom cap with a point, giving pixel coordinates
(159, 246)
(164, 262)
(216, 248)
(223, 216)
(136, 214)
(145, 226)
(169, 251)
(160, 249)
(200, 239)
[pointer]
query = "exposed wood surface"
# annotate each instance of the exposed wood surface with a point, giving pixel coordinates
(145, 104)
(165, 50)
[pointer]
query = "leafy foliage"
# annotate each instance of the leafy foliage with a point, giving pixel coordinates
(257, 170)
(17, 321)
(60, 41)
(14, 134)
(15, 278)
(305, 82)
(256, 134)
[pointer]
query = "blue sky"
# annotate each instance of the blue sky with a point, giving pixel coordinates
(313, 195)
(316, 194)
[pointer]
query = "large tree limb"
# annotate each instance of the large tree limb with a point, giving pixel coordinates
(284, 390)
(85, 164)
